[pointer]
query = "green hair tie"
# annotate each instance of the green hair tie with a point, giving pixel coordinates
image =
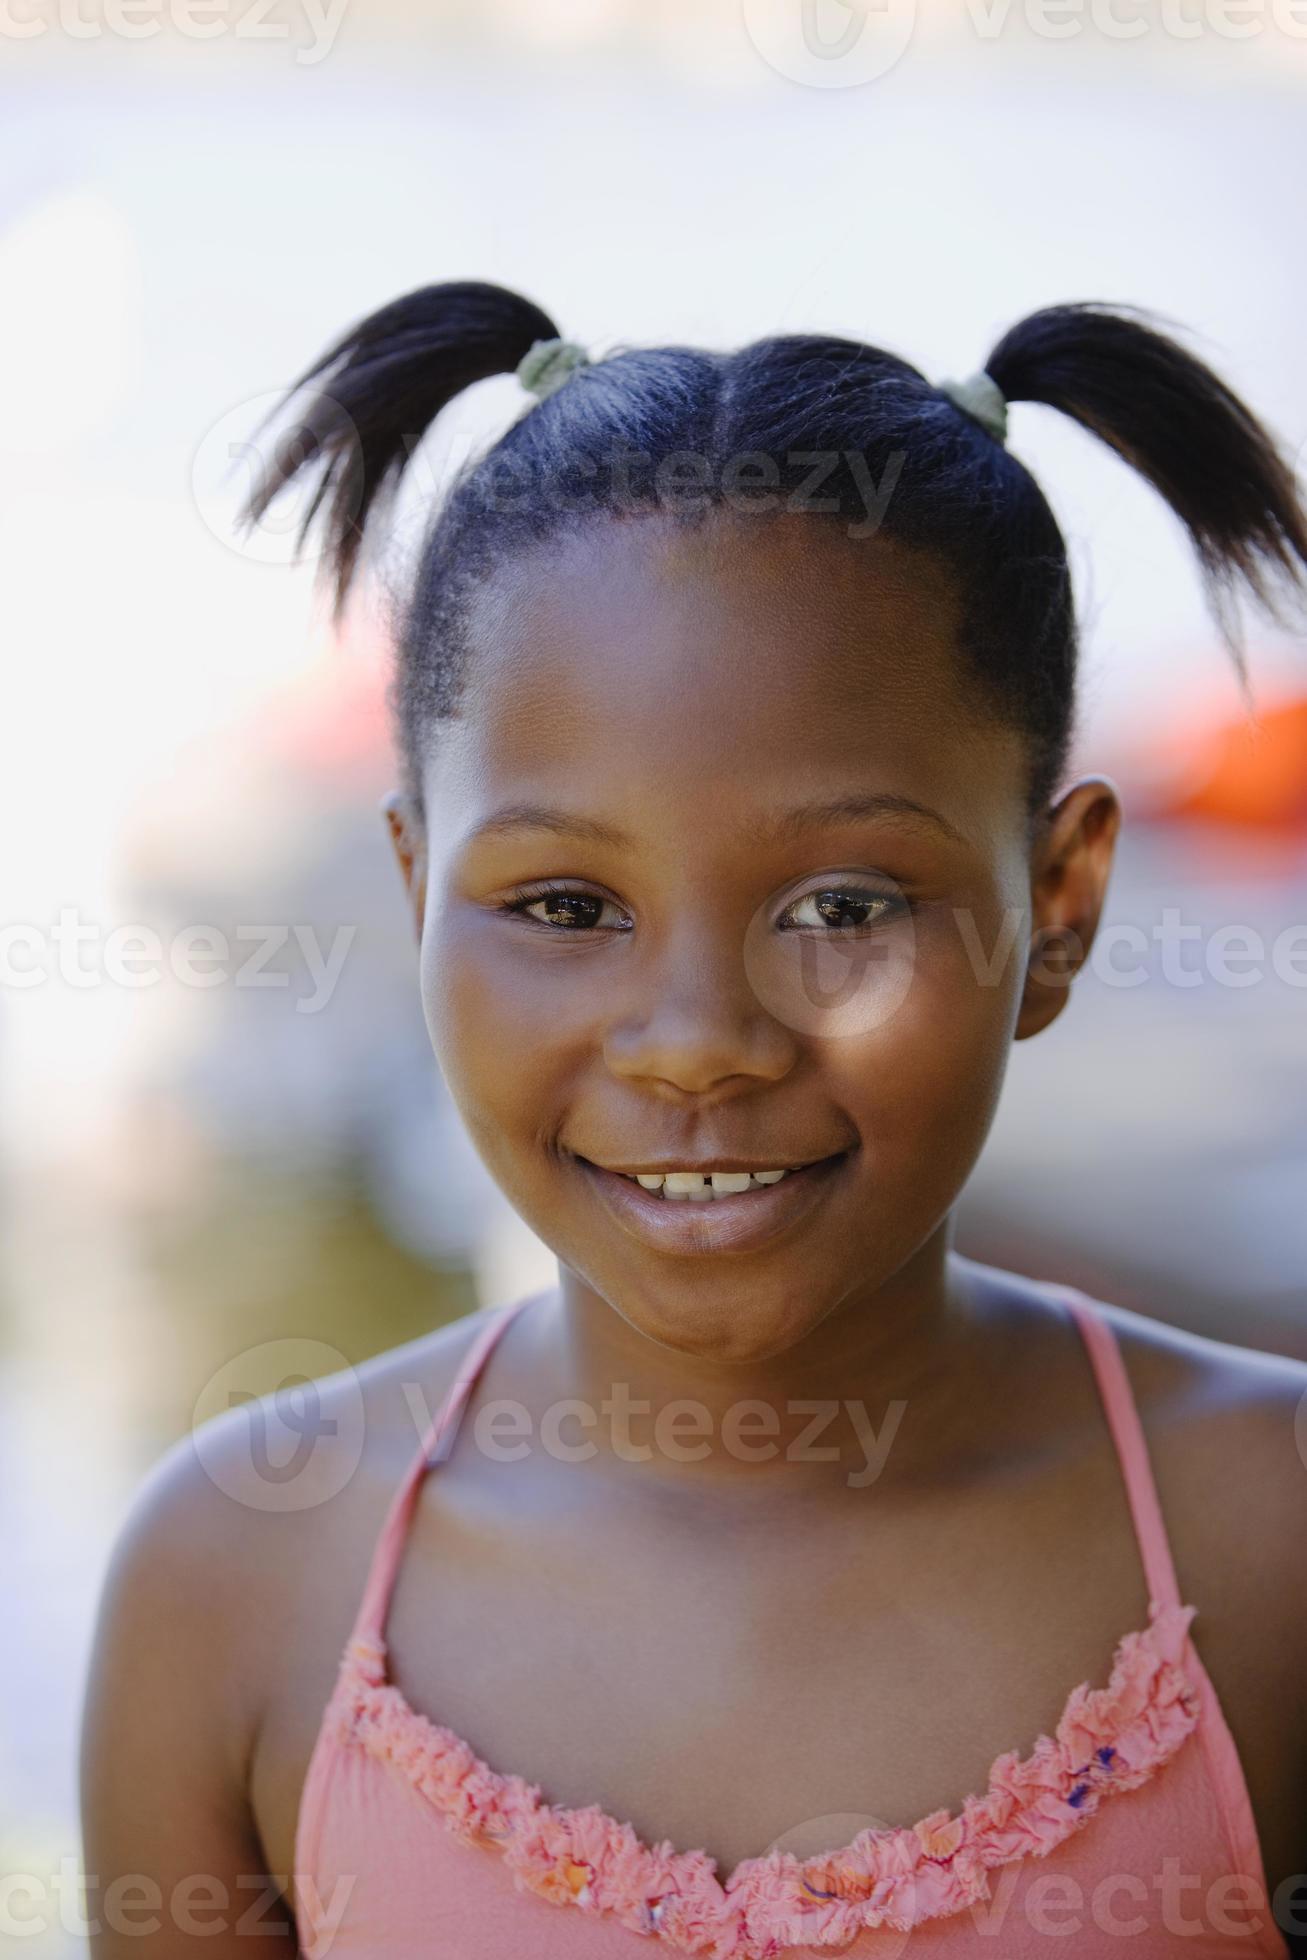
(982, 399)
(547, 364)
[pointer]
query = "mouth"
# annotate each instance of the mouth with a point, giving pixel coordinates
(713, 1208)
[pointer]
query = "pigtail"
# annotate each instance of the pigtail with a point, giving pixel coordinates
(1169, 416)
(380, 387)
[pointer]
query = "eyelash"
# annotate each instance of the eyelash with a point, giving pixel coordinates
(894, 907)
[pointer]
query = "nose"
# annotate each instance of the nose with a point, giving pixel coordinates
(694, 1025)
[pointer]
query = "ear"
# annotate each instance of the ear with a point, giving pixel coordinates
(408, 840)
(1068, 882)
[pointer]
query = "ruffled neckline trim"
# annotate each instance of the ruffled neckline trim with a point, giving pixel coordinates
(1108, 1740)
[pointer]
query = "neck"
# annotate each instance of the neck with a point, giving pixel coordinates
(879, 1390)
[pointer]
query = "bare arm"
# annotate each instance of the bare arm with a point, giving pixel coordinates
(172, 1857)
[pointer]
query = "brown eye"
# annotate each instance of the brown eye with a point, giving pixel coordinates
(562, 910)
(570, 909)
(840, 908)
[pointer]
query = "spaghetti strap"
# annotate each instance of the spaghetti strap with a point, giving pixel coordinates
(1132, 1450)
(437, 1441)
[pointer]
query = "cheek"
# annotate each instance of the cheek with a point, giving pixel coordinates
(503, 1028)
(926, 1079)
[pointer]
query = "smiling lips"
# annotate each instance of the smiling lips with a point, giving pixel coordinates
(706, 1211)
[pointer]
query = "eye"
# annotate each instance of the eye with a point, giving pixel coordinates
(564, 910)
(842, 908)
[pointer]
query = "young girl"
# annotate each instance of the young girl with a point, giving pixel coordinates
(780, 1581)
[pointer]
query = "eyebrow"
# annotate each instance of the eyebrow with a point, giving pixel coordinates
(858, 806)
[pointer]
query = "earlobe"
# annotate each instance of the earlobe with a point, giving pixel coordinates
(1055, 956)
(1068, 885)
(408, 841)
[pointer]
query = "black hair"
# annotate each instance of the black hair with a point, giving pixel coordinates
(614, 441)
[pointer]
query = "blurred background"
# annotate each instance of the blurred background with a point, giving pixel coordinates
(193, 203)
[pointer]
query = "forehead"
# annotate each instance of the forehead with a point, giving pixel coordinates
(641, 660)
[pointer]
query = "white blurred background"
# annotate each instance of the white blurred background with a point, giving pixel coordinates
(189, 1172)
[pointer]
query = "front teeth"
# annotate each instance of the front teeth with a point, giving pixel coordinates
(699, 1187)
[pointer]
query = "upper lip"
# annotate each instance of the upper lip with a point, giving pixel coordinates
(661, 1166)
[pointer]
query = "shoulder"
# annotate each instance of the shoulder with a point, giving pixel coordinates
(1227, 1439)
(1226, 1433)
(286, 1454)
(1220, 1413)
(1226, 1430)
(1232, 1418)
(225, 1534)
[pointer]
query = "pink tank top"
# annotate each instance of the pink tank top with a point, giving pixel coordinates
(1127, 1830)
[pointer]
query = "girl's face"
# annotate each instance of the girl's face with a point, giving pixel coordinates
(721, 870)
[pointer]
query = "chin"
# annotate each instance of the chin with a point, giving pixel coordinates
(736, 1325)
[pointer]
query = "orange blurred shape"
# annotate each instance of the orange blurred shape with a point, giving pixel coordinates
(1246, 772)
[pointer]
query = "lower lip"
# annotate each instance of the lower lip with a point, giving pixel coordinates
(740, 1223)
